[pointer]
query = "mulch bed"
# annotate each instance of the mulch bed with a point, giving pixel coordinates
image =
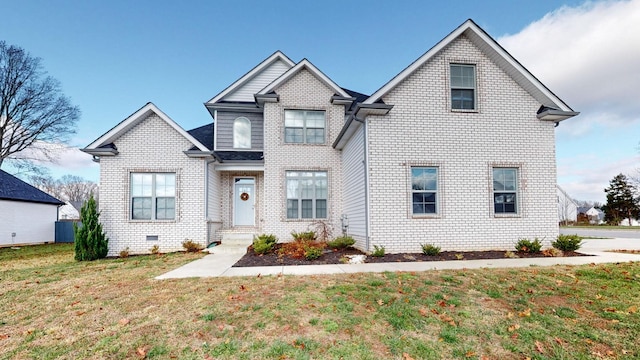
(335, 257)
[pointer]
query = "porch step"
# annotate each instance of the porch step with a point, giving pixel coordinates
(239, 239)
(228, 249)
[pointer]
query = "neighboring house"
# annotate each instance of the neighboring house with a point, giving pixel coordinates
(27, 214)
(458, 150)
(567, 207)
(591, 214)
(70, 211)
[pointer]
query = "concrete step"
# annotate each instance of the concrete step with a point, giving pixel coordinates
(228, 249)
(239, 239)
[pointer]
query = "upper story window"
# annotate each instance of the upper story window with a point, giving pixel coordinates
(153, 196)
(463, 87)
(242, 133)
(304, 126)
(505, 190)
(424, 190)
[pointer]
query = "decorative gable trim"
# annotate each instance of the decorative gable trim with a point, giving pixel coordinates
(278, 55)
(304, 64)
(494, 51)
(103, 146)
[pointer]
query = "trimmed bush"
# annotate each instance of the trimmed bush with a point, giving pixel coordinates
(567, 242)
(312, 253)
(264, 243)
(304, 236)
(378, 251)
(341, 242)
(91, 243)
(528, 246)
(430, 250)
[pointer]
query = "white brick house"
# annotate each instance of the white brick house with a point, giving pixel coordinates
(458, 150)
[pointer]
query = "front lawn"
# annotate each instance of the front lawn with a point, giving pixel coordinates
(54, 307)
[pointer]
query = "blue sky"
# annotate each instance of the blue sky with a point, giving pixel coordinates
(114, 56)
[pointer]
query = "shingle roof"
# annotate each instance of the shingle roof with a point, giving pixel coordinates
(239, 155)
(204, 134)
(12, 188)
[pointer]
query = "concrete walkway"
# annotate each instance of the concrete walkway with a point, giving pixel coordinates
(219, 265)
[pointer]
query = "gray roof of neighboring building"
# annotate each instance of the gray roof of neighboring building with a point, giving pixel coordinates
(12, 188)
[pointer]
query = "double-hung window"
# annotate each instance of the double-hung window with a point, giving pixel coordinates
(505, 190)
(153, 196)
(306, 195)
(424, 190)
(304, 126)
(463, 87)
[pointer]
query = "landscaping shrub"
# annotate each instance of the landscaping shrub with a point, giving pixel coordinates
(322, 230)
(91, 243)
(264, 243)
(312, 252)
(305, 235)
(341, 242)
(124, 253)
(298, 248)
(528, 246)
(155, 249)
(191, 246)
(378, 251)
(567, 242)
(430, 250)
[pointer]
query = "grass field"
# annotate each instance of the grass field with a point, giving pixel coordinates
(53, 307)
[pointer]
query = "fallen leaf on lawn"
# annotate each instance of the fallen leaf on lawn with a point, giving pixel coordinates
(470, 353)
(142, 352)
(242, 287)
(559, 282)
(380, 302)
(208, 357)
(610, 309)
(80, 313)
(124, 322)
(75, 303)
(220, 327)
(539, 347)
(513, 327)
(525, 313)
(442, 303)
(4, 336)
(598, 296)
(632, 309)
(423, 312)
(435, 311)
(558, 340)
(509, 315)
(406, 356)
(530, 291)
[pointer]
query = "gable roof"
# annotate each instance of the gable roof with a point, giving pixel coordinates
(304, 64)
(104, 144)
(17, 190)
(496, 53)
(252, 74)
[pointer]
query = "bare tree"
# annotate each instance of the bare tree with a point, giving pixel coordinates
(33, 110)
(68, 188)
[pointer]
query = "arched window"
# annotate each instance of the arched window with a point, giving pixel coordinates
(242, 133)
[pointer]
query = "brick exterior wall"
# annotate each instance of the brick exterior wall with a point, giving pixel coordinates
(152, 146)
(305, 92)
(422, 130)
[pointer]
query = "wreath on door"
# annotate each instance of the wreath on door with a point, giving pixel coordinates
(244, 196)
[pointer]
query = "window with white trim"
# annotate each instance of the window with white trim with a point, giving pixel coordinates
(304, 126)
(306, 194)
(463, 86)
(242, 133)
(424, 190)
(505, 190)
(153, 196)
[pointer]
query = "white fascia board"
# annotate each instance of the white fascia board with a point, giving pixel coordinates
(278, 55)
(239, 167)
(128, 123)
(304, 64)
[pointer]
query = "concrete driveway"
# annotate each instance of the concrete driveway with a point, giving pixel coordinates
(602, 233)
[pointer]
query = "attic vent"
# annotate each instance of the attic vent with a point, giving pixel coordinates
(152, 237)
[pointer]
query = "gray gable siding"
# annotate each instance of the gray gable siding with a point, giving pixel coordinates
(224, 130)
(253, 86)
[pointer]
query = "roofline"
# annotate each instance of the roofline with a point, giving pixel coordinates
(304, 63)
(266, 62)
(361, 111)
(468, 25)
(59, 203)
(132, 120)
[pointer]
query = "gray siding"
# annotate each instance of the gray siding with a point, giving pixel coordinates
(259, 82)
(224, 129)
(354, 204)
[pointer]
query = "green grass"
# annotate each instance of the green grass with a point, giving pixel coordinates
(54, 307)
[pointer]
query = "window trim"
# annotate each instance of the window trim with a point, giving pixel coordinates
(517, 192)
(474, 88)
(236, 134)
(437, 191)
(300, 199)
(153, 197)
(304, 127)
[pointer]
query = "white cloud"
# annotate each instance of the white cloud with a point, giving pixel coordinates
(588, 55)
(60, 158)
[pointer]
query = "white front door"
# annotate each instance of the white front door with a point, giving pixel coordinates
(244, 200)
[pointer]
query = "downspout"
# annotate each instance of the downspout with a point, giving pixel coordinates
(206, 197)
